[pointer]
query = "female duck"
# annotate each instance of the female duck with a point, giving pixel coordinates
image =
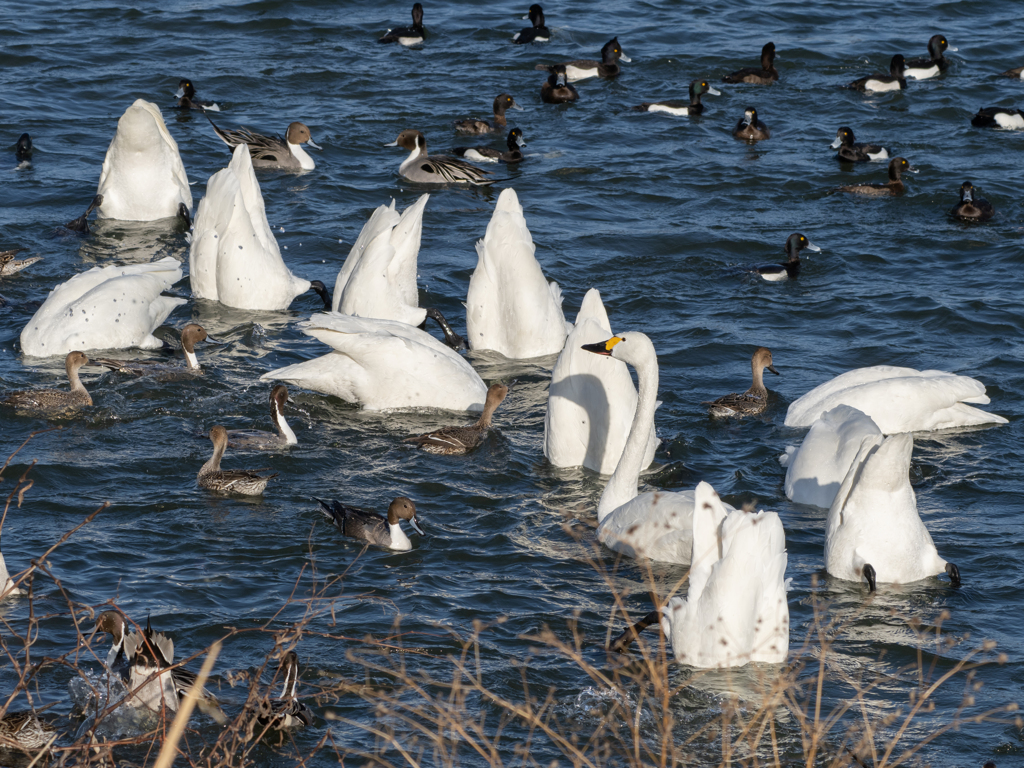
(410, 35)
(611, 54)
(489, 155)
(456, 441)
(424, 168)
(749, 128)
(894, 81)
(755, 399)
(556, 90)
(1017, 73)
(273, 151)
(697, 88)
(55, 399)
(790, 268)
(25, 731)
(922, 69)
(191, 335)
(892, 187)
(9, 265)
(263, 441)
(248, 482)
(286, 711)
(502, 103)
(1007, 119)
(971, 208)
(372, 528)
(186, 97)
(850, 152)
(766, 74)
(538, 33)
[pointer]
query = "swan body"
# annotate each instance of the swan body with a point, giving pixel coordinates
(735, 609)
(7, 588)
(899, 399)
(591, 400)
(511, 308)
(143, 178)
(816, 469)
(234, 258)
(104, 308)
(384, 364)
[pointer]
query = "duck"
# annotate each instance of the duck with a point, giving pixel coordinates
(894, 81)
(790, 268)
(894, 186)
(286, 711)
(152, 685)
(850, 152)
(1017, 73)
(378, 279)
(766, 74)
(373, 528)
(657, 525)
(272, 151)
(556, 90)
(56, 399)
(25, 731)
(260, 440)
(457, 441)
(511, 308)
(873, 531)
(143, 178)
(9, 265)
(113, 307)
(749, 128)
(247, 482)
(384, 365)
(755, 399)
(23, 149)
(234, 257)
(7, 586)
(410, 35)
(591, 399)
(1007, 119)
(425, 168)
(899, 399)
(679, 108)
(186, 97)
(971, 208)
(502, 103)
(191, 334)
(538, 32)
(488, 155)
(611, 55)
(816, 469)
(922, 69)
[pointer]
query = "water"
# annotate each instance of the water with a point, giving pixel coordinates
(652, 210)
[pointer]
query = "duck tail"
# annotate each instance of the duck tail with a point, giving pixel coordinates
(544, 68)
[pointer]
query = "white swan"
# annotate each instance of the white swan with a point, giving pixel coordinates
(591, 400)
(511, 308)
(873, 530)
(657, 524)
(818, 467)
(384, 364)
(104, 308)
(898, 399)
(735, 609)
(143, 178)
(234, 258)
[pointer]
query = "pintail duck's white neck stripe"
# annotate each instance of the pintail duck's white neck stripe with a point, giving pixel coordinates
(398, 538)
(191, 360)
(283, 429)
(302, 156)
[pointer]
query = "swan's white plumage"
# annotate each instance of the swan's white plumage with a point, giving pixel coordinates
(591, 400)
(735, 609)
(874, 518)
(510, 306)
(898, 399)
(384, 364)
(818, 467)
(104, 308)
(234, 257)
(143, 178)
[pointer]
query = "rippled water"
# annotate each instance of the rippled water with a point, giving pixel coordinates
(654, 211)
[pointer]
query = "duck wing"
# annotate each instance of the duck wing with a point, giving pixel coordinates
(452, 169)
(448, 440)
(357, 523)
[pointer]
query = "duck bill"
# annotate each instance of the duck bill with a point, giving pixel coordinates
(412, 521)
(625, 58)
(313, 144)
(968, 196)
(772, 369)
(912, 169)
(713, 91)
(516, 106)
(560, 80)
(837, 143)
(954, 50)
(391, 144)
(179, 93)
(812, 247)
(520, 142)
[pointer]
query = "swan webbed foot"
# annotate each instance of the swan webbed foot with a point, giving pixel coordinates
(185, 215)
(954, 574)
(869, 574)
(621, 643)
(81, 224)
(322, 292)
(451, 338)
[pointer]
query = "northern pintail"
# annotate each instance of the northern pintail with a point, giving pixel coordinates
(286, 711)
(755, 399)
(452, 441)
(273, 151)
(921, 69)
(1017, 73)
(971, 208)
(435, 169)
(894, 81)
(410, 35)
(1009, 119)
(763, 75)
(55, 399)
(556, 90)
(372, 528)
(894, 186)
(502, 102)
(692, 107)
(23, 149)
(9, 265)
(749, 128)
(491, 155)
(191, 335)
(248, 482)
(152, 685)
(25, 731)
(790, 268)
(186, 97)
(538, 32)
(611, 54)
(262, 440)
(851, 152)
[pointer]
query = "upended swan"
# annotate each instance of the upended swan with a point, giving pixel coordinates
(873, 531)
(234, 258)
(511, 308)
(816, 469)
(898, 399)
(104, 308)
(384, 364)
(143, 178)
(378, 279)
(591, 400)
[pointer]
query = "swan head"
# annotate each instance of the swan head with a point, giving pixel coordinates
(403, 509)
(631, 347)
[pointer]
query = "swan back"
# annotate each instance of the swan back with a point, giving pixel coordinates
(143, 178)
(510, 306)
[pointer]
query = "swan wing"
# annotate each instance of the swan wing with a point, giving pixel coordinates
(405, 239)
(377, 228)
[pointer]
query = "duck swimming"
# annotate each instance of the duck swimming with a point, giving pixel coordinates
(23, 149)
(286, 711)
(790, 268)
(191, 335)
(1007, 119)
(489, 155)
(894, 186)
(971, 208)
(186, 97)
(556, 90)
(149, 654)
(435, 169)
(410, 35)
(922, 69)
(763, 75)
(248, 482)
(538, 33)
(502, 102)
(25, 731)
(9, 265)
(456, 441)
(694, 107)
(611, 54)
(273, 151)
(55, 399)
(894, 81)
(850, 152)
(755, 399)
(372, 528)
(1015, 73)
(254, 438)
(749, 128)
